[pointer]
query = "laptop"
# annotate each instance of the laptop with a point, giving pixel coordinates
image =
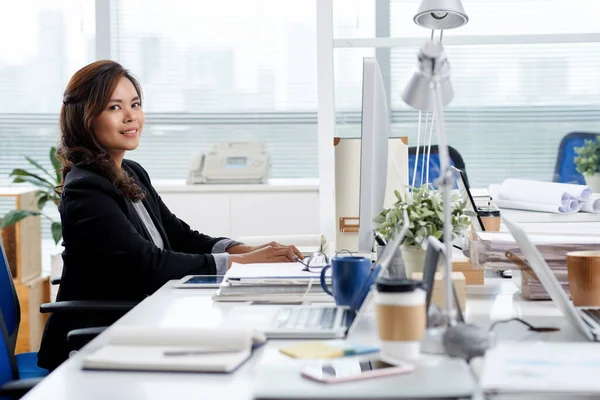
(315, 321)
(585, 319)
(465, 193)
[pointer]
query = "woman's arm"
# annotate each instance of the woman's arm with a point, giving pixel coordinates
(181, 237)
(95, 225)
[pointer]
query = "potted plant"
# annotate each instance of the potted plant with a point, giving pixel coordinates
(46, 181)
(587, 162)
(425, 212)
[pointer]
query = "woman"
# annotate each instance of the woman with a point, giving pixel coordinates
(121, 242)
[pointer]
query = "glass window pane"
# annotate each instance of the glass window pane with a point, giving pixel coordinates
(44, 43)
(245, 70)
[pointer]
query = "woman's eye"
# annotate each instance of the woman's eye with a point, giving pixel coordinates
(136, 105)
(114, 107)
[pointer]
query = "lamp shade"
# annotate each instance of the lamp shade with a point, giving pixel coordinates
(432, 64)
(441, 14)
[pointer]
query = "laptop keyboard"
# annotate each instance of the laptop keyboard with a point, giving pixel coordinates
(305, 318)
(594, 314)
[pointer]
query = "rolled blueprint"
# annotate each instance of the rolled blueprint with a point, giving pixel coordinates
(592, 205)
(543, 192)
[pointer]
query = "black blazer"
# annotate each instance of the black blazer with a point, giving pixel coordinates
(109, 254)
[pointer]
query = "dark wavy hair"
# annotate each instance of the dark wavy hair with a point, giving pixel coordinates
(85, 97)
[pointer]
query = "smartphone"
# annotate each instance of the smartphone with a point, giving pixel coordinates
(199, 282)
(346, 370)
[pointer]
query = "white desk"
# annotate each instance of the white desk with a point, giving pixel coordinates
(171, 307)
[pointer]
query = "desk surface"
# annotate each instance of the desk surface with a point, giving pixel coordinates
(172, 307)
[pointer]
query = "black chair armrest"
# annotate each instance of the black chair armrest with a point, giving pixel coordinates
(77, 338)
(16, 389)
(87, 306)
(55, 280)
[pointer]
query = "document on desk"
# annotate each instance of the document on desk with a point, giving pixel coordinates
(542, 367)
(174, 349)
(286, 271)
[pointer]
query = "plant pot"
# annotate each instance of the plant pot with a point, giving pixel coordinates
(56, 267)
(414, 259)
(396, 267)
(593, 181)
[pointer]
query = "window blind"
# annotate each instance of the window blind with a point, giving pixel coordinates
(222, 71)
(513, 103)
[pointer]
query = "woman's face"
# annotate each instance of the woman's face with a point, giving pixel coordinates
(119, 127)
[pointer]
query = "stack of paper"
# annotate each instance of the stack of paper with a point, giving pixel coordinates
(542, 367)
(541, 196)
(174, 349)
(489, 251)
(272, 282)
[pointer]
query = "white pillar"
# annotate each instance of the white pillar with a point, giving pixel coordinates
(326, 120)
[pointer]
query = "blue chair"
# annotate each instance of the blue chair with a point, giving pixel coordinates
(13, 383)
(11, 316)
(565, 170)
(456, 160)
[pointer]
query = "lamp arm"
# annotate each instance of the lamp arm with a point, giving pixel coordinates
(445, 184)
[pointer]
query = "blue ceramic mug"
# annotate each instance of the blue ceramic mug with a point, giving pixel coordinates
(348, 276)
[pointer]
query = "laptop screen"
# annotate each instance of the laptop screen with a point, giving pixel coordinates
(468, 197)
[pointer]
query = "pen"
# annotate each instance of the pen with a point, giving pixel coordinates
(179, 353)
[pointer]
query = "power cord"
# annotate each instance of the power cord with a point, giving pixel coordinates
(531, 327)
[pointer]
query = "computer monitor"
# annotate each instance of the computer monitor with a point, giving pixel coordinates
(375, 128)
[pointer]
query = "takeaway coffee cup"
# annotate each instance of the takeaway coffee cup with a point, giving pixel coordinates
(583, 269)
(490, 218)
(401, 317)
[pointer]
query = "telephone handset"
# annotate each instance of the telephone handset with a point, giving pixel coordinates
(231, 162)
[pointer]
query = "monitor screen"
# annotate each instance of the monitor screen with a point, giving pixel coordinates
(375, 128)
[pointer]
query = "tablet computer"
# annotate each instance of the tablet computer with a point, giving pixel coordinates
(199, 282)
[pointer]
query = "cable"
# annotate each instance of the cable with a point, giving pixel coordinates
(531, 327)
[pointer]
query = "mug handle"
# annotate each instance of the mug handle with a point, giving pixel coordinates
(323, 284)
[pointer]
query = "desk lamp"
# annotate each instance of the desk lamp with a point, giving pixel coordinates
(430, 89)
(435, 15)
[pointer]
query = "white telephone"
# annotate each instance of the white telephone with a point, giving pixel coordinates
(231, 162)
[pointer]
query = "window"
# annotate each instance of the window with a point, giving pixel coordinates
(524, 74)
(49, 41)
(222, 71)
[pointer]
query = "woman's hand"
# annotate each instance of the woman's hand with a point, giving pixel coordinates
(243, 249)
(267, 254)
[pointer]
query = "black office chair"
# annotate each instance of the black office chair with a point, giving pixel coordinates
(434, 164)
(77, 338)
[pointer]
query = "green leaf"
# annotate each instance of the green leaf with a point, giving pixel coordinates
(56, 231)
(24, 176)
(55, 163)
(15, 216)
(39, 166)
(43, 200)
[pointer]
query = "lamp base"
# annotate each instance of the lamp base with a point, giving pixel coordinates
(433, 342)
(463, 340)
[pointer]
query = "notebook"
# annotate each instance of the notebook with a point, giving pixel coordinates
(174, 349)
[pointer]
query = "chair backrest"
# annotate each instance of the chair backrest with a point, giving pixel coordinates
(565, 170)
(8, 365)
(434, 164)
(9, 302)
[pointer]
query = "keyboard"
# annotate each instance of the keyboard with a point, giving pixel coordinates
(306, 318)
(594, 314)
